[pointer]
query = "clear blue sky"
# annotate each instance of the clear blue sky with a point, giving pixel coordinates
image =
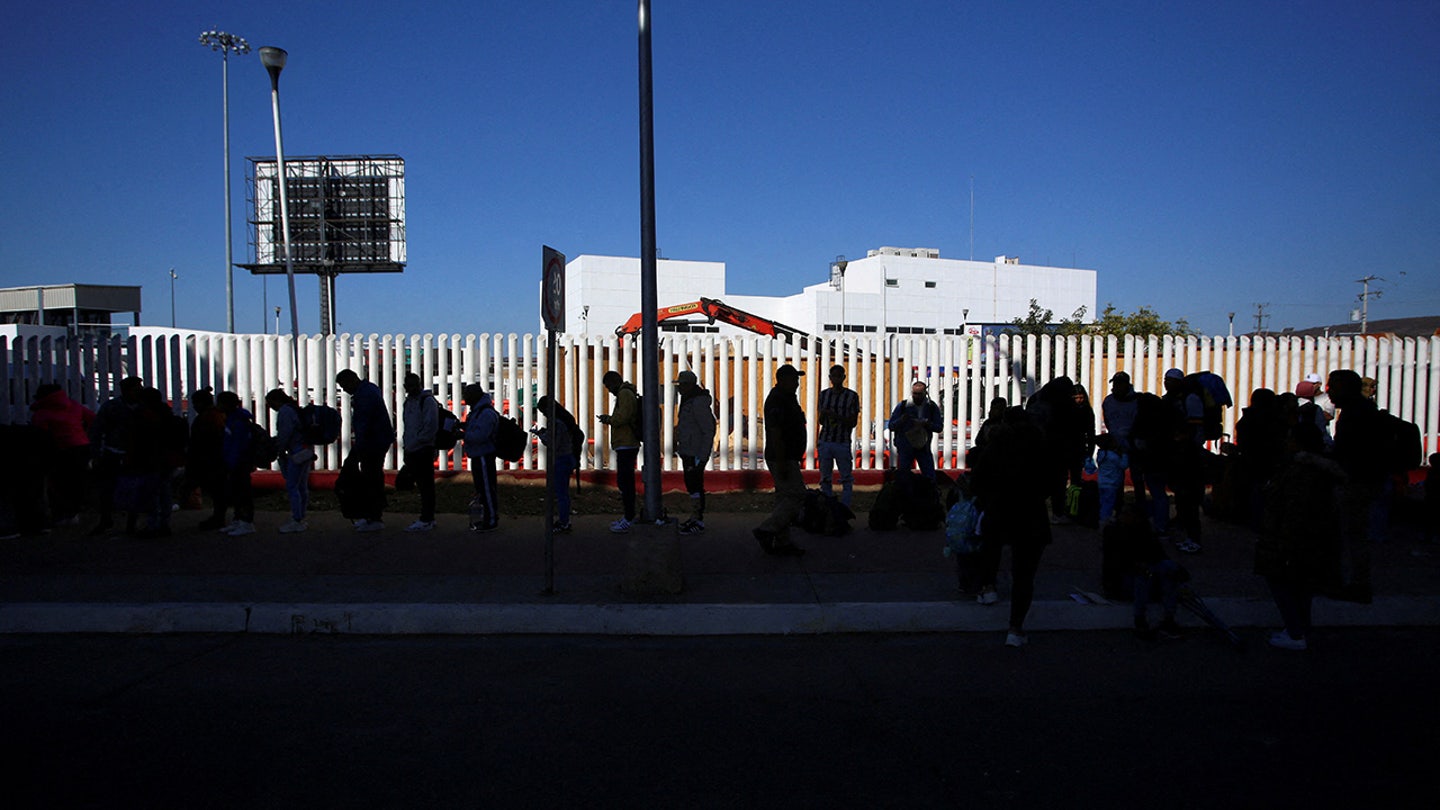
(1202, 157)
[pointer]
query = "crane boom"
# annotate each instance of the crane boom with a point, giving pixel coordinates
(713, 310)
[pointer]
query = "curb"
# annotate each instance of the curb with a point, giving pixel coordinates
(653, 620)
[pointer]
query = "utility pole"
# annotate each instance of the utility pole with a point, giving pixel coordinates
(1365, 296)
(1260, 317)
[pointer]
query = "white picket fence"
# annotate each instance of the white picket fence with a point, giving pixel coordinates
(963, 373)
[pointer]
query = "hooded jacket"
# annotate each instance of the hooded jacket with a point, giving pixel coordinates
(421, 417)
(67, 421)
(480, 425)
(695, 425)
(625, 417)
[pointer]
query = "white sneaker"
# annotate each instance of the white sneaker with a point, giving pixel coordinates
(420, 526)
(241, 527)
(621, 526)
(1013, 639)
(293, 526)
(1283, 641)
(989, 597)
(371, 526)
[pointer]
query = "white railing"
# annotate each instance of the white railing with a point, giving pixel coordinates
(964, 374)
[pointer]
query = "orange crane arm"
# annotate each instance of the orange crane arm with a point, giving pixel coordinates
(714, 310)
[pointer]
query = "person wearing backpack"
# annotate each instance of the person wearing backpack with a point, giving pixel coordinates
(480, 426)
(239, 464)
(1186, 473)
(562, 436)
(911, 424)
(420, 416)
(624, 422)
(1362, 442)
(694, 442)
(371, 435)
(296, 458)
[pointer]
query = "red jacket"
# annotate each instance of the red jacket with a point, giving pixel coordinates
(67, 421)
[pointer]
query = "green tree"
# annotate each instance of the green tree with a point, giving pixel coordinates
(1142, 322)
(1041, 321)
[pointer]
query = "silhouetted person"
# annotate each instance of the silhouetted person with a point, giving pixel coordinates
(371, 435)
(785, 440)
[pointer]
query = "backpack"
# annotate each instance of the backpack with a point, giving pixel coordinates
(885, 513)
(1215, 397)
(960, 524)
(1403, 447)
(1154, 426)
(319, 424)
(577, 442)
(448, 427)
(920, 503)
(510, 439)
(262, 448)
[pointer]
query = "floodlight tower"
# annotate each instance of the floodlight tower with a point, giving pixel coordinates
(225, 43)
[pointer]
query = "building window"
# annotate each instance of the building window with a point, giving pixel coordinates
(929, 285)
(892, 282)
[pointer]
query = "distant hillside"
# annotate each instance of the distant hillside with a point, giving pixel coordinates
(1426, 326)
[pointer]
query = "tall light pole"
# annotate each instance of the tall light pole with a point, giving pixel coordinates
(650, 330)
(225, 43)
(172, 297)
(274, 61)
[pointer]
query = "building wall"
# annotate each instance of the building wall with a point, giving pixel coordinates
(602, 292)
(924, 294)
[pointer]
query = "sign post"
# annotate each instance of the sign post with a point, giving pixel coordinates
(552, 312)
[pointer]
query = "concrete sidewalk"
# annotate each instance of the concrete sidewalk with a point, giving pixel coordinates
(332, 579)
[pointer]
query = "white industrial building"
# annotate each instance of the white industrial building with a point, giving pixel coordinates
(892, 290)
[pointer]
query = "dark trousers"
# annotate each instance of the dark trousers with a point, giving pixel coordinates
(369, 482)
(1187, 481)
(1293, 598)
(237, 494)
(421, 464)
(562, 467)
(1024, 562)
(107, 475)
(67, 483)
(482, 469)
(695, 484)
(625, 478)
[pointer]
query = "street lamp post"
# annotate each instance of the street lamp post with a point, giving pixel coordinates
(837, 269)
(225, 43)
(274, 61)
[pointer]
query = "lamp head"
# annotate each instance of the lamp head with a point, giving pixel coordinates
(274, 61)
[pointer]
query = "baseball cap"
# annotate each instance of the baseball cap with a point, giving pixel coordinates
(1174, 374)
(1312, 377)
(686, 376)
(789, 370)
(1121, 376)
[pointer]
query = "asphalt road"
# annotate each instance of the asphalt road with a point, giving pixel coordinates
(1072, 720)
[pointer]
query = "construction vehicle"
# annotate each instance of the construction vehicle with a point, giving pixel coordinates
(713, 310)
